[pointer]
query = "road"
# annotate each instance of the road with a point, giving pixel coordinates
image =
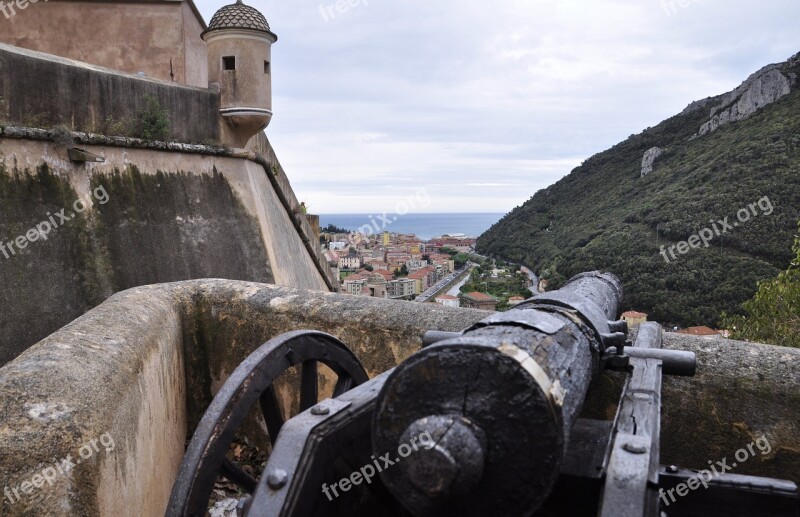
(534, 288)
(442, 284)
(456, 289)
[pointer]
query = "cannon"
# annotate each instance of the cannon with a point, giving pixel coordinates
(482, 422)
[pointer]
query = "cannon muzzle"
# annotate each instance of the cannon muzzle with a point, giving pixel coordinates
(497, 403)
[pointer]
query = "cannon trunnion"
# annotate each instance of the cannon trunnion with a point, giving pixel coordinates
(481, 422)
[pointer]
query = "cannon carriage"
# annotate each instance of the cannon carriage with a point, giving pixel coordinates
(482, 422)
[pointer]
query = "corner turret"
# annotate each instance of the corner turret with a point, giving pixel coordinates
(239, 42)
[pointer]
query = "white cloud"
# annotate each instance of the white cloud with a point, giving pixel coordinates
(486, 103)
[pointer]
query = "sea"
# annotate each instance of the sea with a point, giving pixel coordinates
(425, 226)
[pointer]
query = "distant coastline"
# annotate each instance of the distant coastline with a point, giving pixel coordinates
(425, 226)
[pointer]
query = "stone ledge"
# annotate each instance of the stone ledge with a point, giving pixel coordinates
(143, 366)
(272, 168)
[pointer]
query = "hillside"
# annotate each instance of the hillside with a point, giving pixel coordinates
(718, 156)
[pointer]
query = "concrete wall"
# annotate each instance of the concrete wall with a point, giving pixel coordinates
(196, 55)
(139, 36)
(167, 216)
(143, 366)
(39, 90)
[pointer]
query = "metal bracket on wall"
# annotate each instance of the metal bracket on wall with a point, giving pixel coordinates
(82, 156)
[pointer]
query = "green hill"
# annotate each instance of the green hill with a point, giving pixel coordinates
(606, 215)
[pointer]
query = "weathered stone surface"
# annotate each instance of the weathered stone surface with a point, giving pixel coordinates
(91, 98)
(649, 159)
(173, 212)
(698, 105)
(138, 364)
(117, 371)
(761, 89)
(742, 391)
(163, 42)
(143, 366)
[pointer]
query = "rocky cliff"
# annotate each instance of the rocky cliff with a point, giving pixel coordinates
(640, 208)
(761, 89)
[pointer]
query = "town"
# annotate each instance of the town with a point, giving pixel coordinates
(444, 270)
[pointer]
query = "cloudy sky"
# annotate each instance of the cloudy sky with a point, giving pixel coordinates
(482, 103)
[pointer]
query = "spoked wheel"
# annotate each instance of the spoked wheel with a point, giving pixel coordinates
(206, 456)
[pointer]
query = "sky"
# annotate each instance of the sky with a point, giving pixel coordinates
(478, 105)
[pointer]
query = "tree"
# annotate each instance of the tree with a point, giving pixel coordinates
(334, 229)
(460, 259)
(773, 315)
(369, 268)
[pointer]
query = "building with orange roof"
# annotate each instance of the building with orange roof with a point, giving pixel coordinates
(420, 279)
(477, 300)
(703, 331)
(634, 318)
(388, 275)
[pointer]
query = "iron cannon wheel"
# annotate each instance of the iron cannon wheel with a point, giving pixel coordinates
(206, 455)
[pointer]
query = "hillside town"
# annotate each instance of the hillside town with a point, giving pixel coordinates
(444, 270)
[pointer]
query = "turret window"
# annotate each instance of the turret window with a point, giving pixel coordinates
(267, 69)
(229, 63)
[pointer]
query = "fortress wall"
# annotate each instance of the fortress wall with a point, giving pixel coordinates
(196, 54)
(114, 376)
(167, 216)
(134, 367)
(306, 225)
(41, 90)
(129, 36)
(144, 365)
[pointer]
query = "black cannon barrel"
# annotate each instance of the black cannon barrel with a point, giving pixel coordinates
(603, 290)
(498, 402)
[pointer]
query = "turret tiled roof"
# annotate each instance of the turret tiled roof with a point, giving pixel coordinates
(238, 16)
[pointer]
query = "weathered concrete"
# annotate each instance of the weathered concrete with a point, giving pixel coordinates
(154, 37)
(118, 370)
(144, 365)
(41, 90)
(742, 392)
(190, 211)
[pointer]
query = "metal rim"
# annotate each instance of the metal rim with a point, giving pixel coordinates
(252, 381)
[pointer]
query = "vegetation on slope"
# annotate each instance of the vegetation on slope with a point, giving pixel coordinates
(604, 215)
(773, 315)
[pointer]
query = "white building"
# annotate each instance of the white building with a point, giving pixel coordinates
(350, 262)
(448, 301)
(415, 265)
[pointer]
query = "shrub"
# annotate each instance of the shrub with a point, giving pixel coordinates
(152, 122)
